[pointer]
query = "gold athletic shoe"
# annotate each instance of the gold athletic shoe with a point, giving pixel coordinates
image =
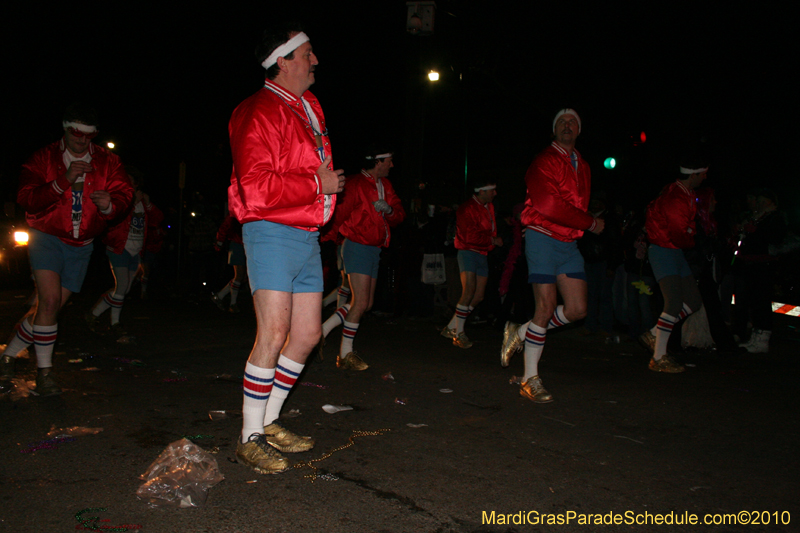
(259, 455)
(351, 361)
(535, 391)
(511, 343)
(665, 364)
(648, 341)
(448, 333)
(462, 341)
(285, 441)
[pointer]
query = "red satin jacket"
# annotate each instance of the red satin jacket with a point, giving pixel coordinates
(670, 217)
(558, 195)
(46, 195)
(475, 226)
(275, 160)
(356, 217)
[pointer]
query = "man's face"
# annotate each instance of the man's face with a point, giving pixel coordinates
(486, 196)
(567, 129)
(75, 144)
(381, 169)
(301, 68)
(697, 179)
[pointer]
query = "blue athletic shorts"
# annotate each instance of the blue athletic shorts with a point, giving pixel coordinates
(47, 252)
(548, 257)
(123, 260)
(236, 254)
(360, 258)
(469, 261)
(282, 258)
(668, 262)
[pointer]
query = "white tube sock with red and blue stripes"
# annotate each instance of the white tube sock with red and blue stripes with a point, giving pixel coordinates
(348, 335)
(459, 318)
(534, 344)
(257, 387)
(336, 320)
(558, 319)
(286, 375)
(663, 331)
(235, 286)
(22, 339)
(343, 296)
(44, 337)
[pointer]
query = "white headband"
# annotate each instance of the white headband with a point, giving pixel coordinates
(567, 111)
(285, 49)
(485, 188)
(380, 156)
(85, 128)
(690, 171)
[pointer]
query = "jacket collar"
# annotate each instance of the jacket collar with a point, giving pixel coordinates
(560, 150)
(280, 91)
(686, 189)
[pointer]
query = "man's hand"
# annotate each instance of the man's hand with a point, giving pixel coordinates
(101, 199)
(599, 225)
(146, 198)
(382, 206)
(332, 181)
(137, 197)
(76, 169)
(497, 241)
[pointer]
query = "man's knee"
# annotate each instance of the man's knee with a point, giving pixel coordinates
(576, 312)
(49, 305)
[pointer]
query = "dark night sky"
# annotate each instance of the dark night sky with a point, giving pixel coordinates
(166, 80)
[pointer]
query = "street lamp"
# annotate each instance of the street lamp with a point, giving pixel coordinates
(110, 145)
(433, 75)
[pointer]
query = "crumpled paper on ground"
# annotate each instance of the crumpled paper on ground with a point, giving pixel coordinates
(180, 476)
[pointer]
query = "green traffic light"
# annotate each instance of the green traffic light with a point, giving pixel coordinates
(610, 163)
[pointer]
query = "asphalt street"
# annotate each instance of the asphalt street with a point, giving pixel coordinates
(445, 442)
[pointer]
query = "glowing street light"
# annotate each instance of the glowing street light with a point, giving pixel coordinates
(110, 145)
(433, 75)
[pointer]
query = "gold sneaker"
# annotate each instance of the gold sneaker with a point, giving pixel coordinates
(351, 361)
(259, 455)
(665, 364)
(449, 333)
(535, 391)
(285, 441)
(648, 341)
(462, 341)
(511, 343)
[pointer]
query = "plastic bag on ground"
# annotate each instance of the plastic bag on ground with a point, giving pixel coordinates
(180, 476)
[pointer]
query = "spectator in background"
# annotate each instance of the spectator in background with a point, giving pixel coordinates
(640, 281)
(758, 268)
(600, 261)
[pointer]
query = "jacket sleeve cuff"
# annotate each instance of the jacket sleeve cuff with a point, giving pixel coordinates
(594, 225)
(108, 210)
(61, 184)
